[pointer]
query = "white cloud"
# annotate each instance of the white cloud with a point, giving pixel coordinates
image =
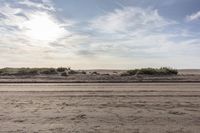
(129, 18)
(32, 25)
(45, 4)
(26, 33)
(42, 26)
(132, 32)
(122, 38)
(141, 35)
(193, 17)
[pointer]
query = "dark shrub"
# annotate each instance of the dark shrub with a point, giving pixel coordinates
(48, 71)
(26, 71)
(83, 72)
(115, 72)
(95, 73)
(1, 71)
(64, 74)
(61, 69)
(8, 71)
(169, 70)
(148, 71)
(72, 72)
(132, 72)
(151, 71)
(125, 74)
(129, 72)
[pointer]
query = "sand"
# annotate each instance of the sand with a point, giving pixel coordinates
(100, 108)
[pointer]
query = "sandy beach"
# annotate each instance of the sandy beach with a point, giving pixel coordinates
(100, 108)
(99, 66)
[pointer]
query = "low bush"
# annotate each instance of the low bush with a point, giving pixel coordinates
(83, 72)
(33, 71)
(151, 71)
(61, 69)
(18, 71)
(64, 74)
(6, 71)
(169, 70)
(72, 72)
(148, 71)
(125, 74)
(95, 73)
(132, 72)
(48, 71)
(26, 71)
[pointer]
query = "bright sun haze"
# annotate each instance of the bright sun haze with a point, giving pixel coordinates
(42, 26)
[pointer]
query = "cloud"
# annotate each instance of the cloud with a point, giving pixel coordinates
(30, 24)
(44, 4)
(132, 32)
(129, 18)
(193, 17)
(140, 35)
(27, 30)
(129, 36)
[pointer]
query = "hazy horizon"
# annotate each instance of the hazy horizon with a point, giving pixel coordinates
(100, 34)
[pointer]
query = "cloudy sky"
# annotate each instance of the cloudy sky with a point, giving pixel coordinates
(114, 34)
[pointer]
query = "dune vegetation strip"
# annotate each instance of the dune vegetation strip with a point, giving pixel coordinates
(151, 71)
(62, 71)
(68, 75)
(65, 71)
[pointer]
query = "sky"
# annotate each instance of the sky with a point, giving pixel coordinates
(100, 34)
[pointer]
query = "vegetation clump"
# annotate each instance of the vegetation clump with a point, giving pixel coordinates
(18, 71)
(60, 69)
(48, 71)
(83, 72)
(68, 71)
(72, 72)
(27, 71)
(64, 74)
(95, 73)
(63, 69)
(36, 71)
(7, 71)
(151, 71)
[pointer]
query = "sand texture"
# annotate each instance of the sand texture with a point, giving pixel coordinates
(100, 108)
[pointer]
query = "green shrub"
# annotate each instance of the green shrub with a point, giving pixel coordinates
(26, 71)
(64, 74)
(48, 71)
(169, 70)
(132, 72)
(33, 71)
(72, 72)
(18, 71)
(8, 71)
(148, 71)
(125, 74)
(129, 72)
(151, 71)
(61, 69)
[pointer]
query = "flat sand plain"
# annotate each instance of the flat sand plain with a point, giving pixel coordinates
(100, 108)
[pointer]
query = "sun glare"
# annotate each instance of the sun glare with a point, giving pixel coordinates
(43, 27)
